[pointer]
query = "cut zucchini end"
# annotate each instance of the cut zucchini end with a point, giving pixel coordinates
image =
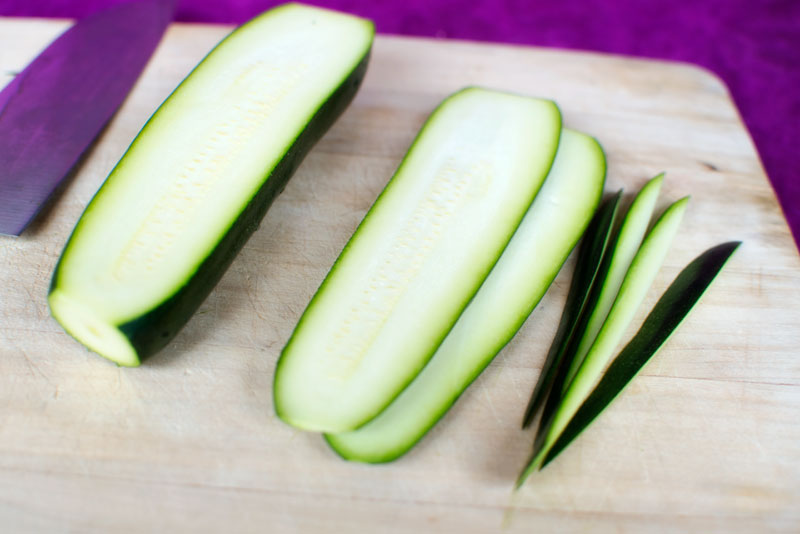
(533, 464)
(364, 457)
(286, 410)
(93, 331)
(308, 422)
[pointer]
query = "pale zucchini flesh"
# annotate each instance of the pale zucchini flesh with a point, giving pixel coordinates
(417, 258)
(197, 179)
(533, 257)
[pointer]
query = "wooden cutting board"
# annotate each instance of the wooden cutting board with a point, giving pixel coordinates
(705, 440)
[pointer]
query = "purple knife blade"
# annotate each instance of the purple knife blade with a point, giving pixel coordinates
(52, 111)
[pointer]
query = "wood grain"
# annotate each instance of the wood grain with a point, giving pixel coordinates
(706, 440)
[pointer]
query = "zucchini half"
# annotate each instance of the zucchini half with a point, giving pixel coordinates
(517, 282)
(417, 258)
(199, 177)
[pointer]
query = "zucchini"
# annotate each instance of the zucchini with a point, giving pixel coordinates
(417, 258)
(578, 305)
(515, 285)
(197, 180)
(604, 288)
(637, 281)
(623, 250)
(667, 315)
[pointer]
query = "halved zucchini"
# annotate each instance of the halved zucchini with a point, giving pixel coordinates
(417, 258)
(530, 262)
(199, 177)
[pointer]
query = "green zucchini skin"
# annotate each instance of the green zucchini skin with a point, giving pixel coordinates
(594, 244)
(663, 320)
(520, 278)
(637, 281)
(620, 255)
(667, 315)
(623, 241)
(153, 329)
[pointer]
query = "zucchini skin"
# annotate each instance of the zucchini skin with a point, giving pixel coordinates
(663, 320)
(153, 330)
(594, 243)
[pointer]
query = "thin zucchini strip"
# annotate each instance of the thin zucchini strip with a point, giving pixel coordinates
(417, 258)
(667, 315)
(637, 281)
(517, 282)
(627, 243)
(613, 267)
(200, 176)
(587, 267)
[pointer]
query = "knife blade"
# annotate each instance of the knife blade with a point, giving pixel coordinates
(53, 110)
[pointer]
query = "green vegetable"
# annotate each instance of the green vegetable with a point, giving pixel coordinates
(671, 309)
(515, 285)
(576, 309)
(623, 250)
(199, 177)
(417, 258)
(611, 266)
(636, 282)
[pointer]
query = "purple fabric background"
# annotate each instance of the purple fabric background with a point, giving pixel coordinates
(753, 45)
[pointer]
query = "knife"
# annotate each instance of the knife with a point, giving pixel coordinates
(53, 110)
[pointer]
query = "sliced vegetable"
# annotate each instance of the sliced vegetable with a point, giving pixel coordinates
(417, 258)
(623, 250)
(199, 177)
(637, 281)
(614, 264)
(515, 285)
(590, 257)
(667, 315)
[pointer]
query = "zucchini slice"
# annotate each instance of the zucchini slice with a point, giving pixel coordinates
(630, 236)
(594, 244)
(517, 282)
(614, 263)
(637, 281)
(667, 315)
(417, 258)
(199, 177)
